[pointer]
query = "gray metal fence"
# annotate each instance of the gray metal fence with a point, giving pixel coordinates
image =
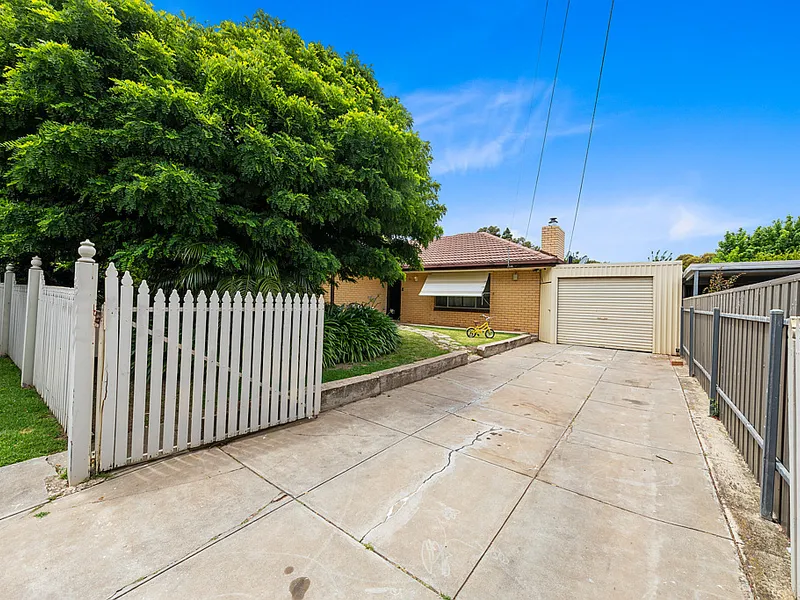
(735, 345)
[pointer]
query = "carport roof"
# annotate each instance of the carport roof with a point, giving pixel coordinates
(481, 250)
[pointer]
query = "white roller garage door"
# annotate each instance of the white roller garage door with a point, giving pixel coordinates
(609, 312)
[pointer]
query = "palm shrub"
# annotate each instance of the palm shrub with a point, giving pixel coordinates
(355, 333)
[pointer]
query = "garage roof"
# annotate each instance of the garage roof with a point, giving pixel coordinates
(481, 250)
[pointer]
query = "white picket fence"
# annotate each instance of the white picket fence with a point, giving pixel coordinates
(190, 372)
(16, 335)
(53, 356)
(46, 315)
(169, 375)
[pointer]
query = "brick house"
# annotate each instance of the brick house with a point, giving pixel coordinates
(464, 276)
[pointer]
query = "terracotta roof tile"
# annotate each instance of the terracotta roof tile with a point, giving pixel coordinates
(475, 250)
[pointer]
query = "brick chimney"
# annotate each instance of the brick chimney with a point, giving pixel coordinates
(553, 238)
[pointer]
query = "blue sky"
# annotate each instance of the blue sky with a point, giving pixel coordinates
(698, 126)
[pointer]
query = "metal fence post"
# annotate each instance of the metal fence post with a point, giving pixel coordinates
(691, 341)
(8, 291)
(771, 416)
(713, 405)
(79, 424)
(680, 343)
(31, 313)
(792, 389)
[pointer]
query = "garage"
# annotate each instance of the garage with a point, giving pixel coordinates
(623, 306)
(610, 312)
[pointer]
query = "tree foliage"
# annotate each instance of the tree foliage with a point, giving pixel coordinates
(720, 283)
(659, 256)
(778, 241)
(181, 149)
(690, 259)
(507, 235)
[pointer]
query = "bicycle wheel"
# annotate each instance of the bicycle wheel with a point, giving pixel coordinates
(471, 332)
(489, 333)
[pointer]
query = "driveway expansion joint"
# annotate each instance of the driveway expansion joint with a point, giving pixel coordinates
(633, 512)
(563, 436)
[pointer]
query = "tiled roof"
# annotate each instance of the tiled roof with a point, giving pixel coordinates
(476, 250)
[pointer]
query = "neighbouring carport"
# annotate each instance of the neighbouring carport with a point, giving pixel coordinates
(626, 306)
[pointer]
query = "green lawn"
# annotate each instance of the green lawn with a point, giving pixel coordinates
(460, 335)
(27, 429)
(413, 347)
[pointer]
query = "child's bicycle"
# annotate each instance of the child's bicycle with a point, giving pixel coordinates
(482, 328)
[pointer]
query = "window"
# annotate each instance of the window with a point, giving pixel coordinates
(465, 303)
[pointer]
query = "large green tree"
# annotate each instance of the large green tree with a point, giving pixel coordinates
(188, 152)
(778, 241)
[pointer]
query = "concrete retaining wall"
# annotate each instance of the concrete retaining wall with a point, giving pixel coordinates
(487, 350)
(344, 391)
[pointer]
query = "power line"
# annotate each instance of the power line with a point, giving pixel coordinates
(530, 107)
(591, 127)
(547, 120)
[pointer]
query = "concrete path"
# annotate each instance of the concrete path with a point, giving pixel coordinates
(28, 484)
(545, 472)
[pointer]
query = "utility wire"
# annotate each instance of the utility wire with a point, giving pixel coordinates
(530, 108)
(547, 120)
(591, 128)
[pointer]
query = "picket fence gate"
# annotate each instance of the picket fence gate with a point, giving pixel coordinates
(183, 373)
(134, 381)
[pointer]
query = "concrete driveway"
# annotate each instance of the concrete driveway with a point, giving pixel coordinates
(545, 472)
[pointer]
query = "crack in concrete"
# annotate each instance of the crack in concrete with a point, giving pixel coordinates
(502, 428)
(399, 504)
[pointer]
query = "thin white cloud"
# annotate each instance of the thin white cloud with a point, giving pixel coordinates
(699, 221)
(627, 230)
(482, 124)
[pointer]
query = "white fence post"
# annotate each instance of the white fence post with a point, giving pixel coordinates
(31, 313)
(8, 291)
(79, 427)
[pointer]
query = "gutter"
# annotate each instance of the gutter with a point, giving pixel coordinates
(484, 267)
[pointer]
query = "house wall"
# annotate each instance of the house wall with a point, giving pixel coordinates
(362, 291)
(666, 296)
(514, 305)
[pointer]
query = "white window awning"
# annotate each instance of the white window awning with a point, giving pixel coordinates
(466, 283)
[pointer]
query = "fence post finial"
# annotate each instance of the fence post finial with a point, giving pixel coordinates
(31, 316)
(86, 252)
(79, 422)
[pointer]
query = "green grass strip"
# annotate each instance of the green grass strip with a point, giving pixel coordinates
(27, 429)
(413, 347)
(460, 335)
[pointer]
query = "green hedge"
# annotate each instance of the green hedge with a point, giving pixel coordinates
(355, 333)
